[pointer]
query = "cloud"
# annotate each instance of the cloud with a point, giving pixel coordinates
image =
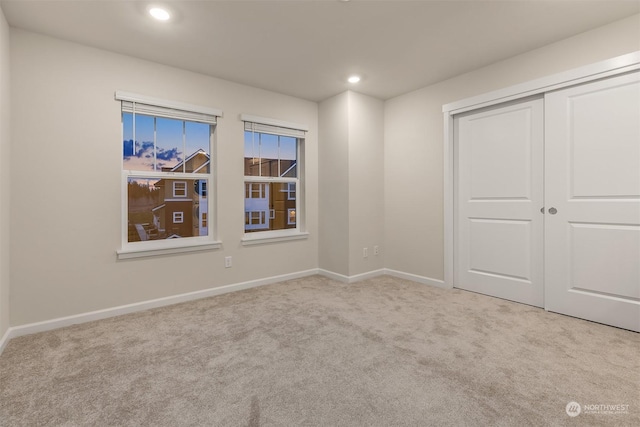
(168, 154)
(142, 159)
(147, 147)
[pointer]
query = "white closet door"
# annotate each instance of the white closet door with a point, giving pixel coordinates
(592, 161)
(499, 230)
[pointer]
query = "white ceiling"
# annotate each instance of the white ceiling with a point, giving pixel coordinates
(307, 48)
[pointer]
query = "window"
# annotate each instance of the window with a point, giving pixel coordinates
(255, 220)
(291, 191)
(272, 176)
(167, 173)
(201, 187)
(180, 188)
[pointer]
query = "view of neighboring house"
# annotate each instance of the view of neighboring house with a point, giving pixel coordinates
(180, 207)
(270, 205)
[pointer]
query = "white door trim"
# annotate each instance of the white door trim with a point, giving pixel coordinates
(609, 67)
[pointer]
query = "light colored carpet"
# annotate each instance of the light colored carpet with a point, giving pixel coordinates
(315, 352)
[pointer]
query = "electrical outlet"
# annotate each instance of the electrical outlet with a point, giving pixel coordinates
(376, 250)
(365, 252)
(227, 262)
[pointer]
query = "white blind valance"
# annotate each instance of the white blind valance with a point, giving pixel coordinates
(138, 104)
(273, 126)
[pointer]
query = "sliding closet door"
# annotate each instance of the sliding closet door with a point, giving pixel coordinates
(592, 228)
(499, 226)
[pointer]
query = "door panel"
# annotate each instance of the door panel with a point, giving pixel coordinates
(510, 257)
(592, 161)
(603, 140)
(499, 154)
(499, 168)
(592, 266)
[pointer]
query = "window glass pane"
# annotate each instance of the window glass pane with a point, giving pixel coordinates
(268, 154)
(251, 154)
(197, 136)
(288, 157)
(269, 206)
(139, 155)
(169, 145)
(127, 136)
(154, 212)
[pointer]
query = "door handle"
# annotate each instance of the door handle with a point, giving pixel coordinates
(553, 211)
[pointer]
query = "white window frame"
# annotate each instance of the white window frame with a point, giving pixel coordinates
(289, 216)
(178, 217)
(202, 187)
(289, 191)
(279, 127)
(175, 189)
(251, 215)
(176, 110)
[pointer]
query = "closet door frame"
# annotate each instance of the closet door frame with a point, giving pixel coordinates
(599, 70)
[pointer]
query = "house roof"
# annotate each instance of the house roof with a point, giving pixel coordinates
(200, 151)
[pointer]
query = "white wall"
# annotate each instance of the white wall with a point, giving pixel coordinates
(414, 139)
(351, 183)
(366, 182)
(66, 175)
(5, 138)
(66, 162)
(333, 141)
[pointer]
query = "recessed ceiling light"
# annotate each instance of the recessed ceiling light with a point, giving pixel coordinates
(159, 13)
(353, 79)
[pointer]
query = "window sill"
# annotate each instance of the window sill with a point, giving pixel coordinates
(129, 253)
(258, 239)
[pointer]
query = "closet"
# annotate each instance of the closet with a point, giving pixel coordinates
(546, 200)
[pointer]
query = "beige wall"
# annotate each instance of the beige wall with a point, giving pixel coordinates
(67, 159)
(5, 135)
(351, 183)
(366, 182)
(333, 141)
(414, 139)
(65, 135)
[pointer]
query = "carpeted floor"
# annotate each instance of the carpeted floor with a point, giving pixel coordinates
(315, 352)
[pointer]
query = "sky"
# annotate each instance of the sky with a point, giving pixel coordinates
(170, 147)
(263, 145)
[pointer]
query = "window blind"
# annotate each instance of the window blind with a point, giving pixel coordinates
(273, 126)
(139, 104)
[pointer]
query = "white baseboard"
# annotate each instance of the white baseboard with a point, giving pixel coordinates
(335, 276)
(415, 278)
(61, 322)
(367, 275)
(5, 340)
(400, 274)
(350, 279)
